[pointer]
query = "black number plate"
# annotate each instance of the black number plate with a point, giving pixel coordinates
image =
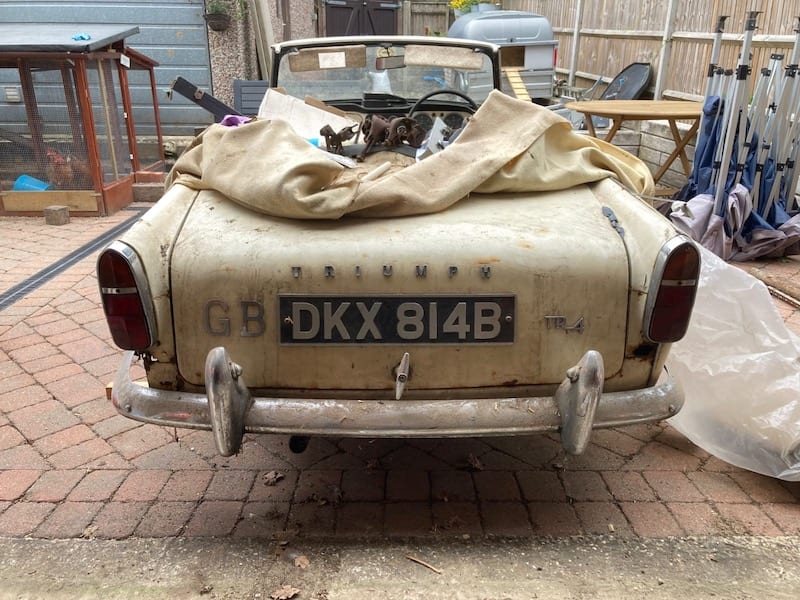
(397, 319)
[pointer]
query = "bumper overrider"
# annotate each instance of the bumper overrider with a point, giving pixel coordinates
(229, 410)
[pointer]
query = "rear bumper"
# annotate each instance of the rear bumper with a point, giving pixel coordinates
(577, 407)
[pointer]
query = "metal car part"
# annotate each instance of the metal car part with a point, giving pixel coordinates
(118, 250)
(677, 279)
(402, 376)
(577, 399)
(228, 399)
(495, 297)
(402, 418)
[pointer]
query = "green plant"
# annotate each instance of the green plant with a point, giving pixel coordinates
(216, 7)
(225, 7)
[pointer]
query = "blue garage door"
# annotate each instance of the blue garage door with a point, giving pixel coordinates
(171, 32)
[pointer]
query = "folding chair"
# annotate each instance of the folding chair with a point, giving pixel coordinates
(629, 84)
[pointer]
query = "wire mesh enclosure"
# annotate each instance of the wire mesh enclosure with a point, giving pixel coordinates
(68, 131)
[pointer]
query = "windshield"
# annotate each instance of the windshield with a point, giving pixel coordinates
(347, 72)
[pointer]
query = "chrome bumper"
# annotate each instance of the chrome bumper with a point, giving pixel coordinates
(578, 406)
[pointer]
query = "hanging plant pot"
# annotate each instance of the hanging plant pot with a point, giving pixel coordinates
(218, 21)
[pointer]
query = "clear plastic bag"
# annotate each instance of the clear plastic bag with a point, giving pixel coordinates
(740, 369)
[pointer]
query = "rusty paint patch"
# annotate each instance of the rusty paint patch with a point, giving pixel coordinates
(645, 351)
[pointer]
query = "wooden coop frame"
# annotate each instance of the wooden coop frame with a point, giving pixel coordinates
(89, 160)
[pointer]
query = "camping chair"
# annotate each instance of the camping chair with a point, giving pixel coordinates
(629, 84)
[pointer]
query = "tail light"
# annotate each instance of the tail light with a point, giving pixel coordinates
(672, 291)
(126, 297)
(555, 56)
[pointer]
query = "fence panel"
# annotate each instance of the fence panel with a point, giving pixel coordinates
(614, 33)
(426, 18)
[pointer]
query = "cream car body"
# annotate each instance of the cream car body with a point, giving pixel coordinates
(506, 313)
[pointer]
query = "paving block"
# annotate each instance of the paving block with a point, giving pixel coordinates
(56, 215)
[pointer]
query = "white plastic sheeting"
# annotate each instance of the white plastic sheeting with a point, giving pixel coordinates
(740, 369)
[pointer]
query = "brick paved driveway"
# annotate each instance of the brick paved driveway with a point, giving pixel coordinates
(71, 467)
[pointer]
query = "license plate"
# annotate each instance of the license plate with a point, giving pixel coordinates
(397, 319)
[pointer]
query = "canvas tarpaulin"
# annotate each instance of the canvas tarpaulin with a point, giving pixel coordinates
(508, 146)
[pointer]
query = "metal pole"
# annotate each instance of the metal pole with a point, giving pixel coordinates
(764, 154)
(793, 172)
(736, 112)
(713, 77)
(765, 89)
(725, 86)
(715, 50)
(786, 132)
(666, 48)
(576, 35)
(782, 140)
(716, 86)
(716, 74)
(755, 120)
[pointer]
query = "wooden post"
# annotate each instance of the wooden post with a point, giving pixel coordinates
(92, 150)
(265, 36)
(32, 111)
(130, 125)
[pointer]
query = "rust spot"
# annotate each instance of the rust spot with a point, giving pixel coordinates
(644, 351)
(510, 383)
(483, 261)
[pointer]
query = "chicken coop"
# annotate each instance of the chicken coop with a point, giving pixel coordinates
(79, 121)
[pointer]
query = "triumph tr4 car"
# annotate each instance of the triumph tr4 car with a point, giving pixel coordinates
(455, 262)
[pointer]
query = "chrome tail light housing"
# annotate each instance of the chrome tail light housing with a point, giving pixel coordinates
(672, 291)
(125, 293)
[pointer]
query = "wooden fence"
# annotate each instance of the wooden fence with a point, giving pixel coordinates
(426, 18)
(674, 36)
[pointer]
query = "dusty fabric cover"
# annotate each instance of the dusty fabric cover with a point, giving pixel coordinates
(508, 146)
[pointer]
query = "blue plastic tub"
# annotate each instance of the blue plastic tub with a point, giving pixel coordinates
(26, 183)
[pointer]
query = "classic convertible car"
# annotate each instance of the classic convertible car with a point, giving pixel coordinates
(457, 262)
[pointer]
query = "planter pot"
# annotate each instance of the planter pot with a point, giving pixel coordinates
(217, 21)
(486, 7)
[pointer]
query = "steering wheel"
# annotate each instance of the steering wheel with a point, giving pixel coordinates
(470, 102)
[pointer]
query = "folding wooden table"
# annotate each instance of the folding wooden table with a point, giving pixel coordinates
(671, 111)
